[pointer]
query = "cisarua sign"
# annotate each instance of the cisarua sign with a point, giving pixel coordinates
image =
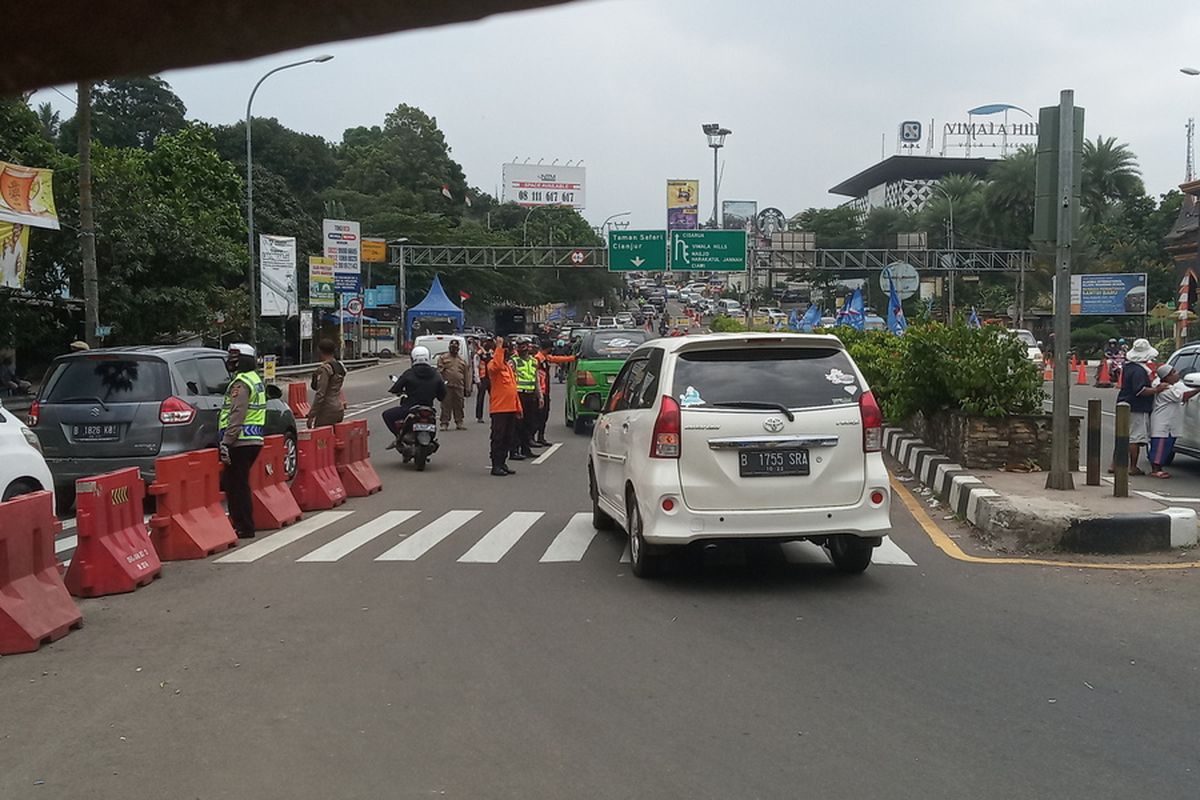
(707, 249)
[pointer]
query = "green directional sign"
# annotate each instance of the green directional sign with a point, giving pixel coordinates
(714, 250)
(633, 251)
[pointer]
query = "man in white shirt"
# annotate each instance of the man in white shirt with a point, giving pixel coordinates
(1166, 421)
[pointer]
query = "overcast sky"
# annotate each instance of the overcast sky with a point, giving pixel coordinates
(807, 88)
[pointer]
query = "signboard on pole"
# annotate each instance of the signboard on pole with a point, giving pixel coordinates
(715, 250)
(306, 324)
(342, 239)
(532, 185)
(1109, 294)
(904, 277)
(14, 252)
(277, 275)
(630, 251)
(320, 282)
(374, 251)
(738, 215)
(683, 205)
(27, 196)
(269, 365)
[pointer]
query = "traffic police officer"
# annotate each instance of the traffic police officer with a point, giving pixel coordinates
(525, 366)
(242, 420)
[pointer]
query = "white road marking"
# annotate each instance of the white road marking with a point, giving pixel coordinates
(548, 453)
(276, 541)
(419, 543)
(372, 407)
(500, 539)
(1166, 498)
(348, 542)
(572, 542)
(890, 553)
(68, 524)
(625, 554)
(65, 543)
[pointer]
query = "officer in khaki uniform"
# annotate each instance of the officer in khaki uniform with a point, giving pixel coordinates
(456, 372)
(242, 420)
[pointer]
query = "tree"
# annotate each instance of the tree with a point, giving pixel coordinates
(305, 161)
(1110, 175)
(130, 112)
(833, 227)
(49, 120)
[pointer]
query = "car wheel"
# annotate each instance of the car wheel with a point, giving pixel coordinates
(850, 554)
(19, 487)
(644, 565)
(601, 521)
(581, 426)
(290, 455)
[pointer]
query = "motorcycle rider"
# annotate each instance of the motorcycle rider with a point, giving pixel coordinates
(420, 385)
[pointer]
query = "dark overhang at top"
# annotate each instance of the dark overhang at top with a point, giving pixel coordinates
(913, 168)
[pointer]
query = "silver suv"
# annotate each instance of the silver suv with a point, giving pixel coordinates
(125, 407)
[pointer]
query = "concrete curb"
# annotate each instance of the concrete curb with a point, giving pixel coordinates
(1001, 517)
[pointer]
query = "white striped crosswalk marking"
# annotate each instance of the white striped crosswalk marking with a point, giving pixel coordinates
(500, 539)
(66, 543)
(572, 541)
(276, 541)
(349, 542)
(419, 543)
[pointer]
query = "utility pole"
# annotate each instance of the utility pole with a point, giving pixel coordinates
(87, 220)
(1060, 476)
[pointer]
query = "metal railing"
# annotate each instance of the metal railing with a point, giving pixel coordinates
(498, 257)
(307, 369)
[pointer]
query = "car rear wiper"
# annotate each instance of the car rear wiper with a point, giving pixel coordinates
(84, 400)
(780, 407)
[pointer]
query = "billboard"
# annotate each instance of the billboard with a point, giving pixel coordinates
(14, 251)
(374, 251)
(341, 240)
(320, 282)
(1109, 294)
(27, 196)
(541, 185)
(683, 205)
(277, 275)
(738, 215)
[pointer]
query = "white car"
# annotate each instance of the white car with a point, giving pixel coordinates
(607, 322)
(625, 319)
(22, 468)
(439, 343)
(741, 436)
(773, 314)
(1033, 350)
(731, 308)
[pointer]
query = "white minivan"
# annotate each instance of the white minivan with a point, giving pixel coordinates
(741, 436)
(22, 468)
(730, 308)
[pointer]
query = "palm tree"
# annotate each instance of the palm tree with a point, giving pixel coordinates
(1110, 175)
(1009, 198)
(49, 120)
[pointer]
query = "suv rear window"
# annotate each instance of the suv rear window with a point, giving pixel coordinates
(796, 377)
(110, 380)
(612, 344)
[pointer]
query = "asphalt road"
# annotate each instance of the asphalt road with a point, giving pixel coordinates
(467, 664)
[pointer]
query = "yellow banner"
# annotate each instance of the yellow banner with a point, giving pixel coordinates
(14, 252)
(27, 196)
(683, 205)
(373, 251)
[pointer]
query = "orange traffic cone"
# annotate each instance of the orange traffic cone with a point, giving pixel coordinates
(1074, 363)
(1103, 379)
(1048, 372)
(1082, 379)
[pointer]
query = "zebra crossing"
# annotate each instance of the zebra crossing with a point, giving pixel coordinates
(465, 536)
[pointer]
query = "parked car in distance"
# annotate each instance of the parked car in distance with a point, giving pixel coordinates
(772, 314)
(1033, 348)
(439, 343)
(107, 409)
(740, 436)
(598, 358)
(607, 322)
(731, 308)
(624, 319)
(23, 469)
(792, 296)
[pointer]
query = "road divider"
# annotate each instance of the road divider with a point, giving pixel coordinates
(353, 459)
(189, 521)
(113, 552)
(298, 400)
(317, 486)
(272, 501)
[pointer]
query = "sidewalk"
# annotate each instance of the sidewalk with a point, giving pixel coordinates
(1014, 511)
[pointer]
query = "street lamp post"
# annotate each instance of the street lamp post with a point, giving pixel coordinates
(604, 224)
(399, 244)
(250, 190)
(716, 140)
(953, 259)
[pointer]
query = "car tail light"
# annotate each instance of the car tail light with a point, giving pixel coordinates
(877, 497)
(585, 379)
(872, 423)
(174, 411)
(35, 413)
(665, 441)
(668, 504)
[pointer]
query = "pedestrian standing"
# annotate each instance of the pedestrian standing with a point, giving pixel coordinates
(484, 357)
(327, 384)
(545, 358)
(241, 424)
(456, 372)
(1166, 420)
(504, 406)
(525, 366)
(1139, 385)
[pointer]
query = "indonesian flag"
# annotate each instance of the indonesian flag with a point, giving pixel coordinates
(446, 191)
(463, 297)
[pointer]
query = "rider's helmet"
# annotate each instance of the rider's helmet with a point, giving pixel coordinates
(420, 355)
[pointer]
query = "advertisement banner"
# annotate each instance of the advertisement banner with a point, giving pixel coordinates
(270, 363)
(374, 251)
(27, 196)
(541, 185)
(320, 282)
(1109, 294)
(738, 215)
(277, 275)
(342, 239)
(306, 324)
(14, 252)
(683, 205)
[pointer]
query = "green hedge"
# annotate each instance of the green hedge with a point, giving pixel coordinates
(934, 367)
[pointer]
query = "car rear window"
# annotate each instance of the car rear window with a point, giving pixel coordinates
(109, 380)
(612, 344)
(795, 377)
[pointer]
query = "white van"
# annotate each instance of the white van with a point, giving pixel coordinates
(730, 308)
(439, 343)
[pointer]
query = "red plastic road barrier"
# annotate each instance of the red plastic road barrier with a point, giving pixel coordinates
(274, 506)
(298, 400)
(317, 486)
(354, 459)
(114, 553)
(35, 607)
(190, 521)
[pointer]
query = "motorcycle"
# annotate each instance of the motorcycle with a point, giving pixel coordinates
(417, 440)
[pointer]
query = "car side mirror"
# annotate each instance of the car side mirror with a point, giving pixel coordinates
(274, 392)
(1040, 344)
(1192, 380)
(593, 402)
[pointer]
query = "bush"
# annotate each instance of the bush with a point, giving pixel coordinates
(724, 324)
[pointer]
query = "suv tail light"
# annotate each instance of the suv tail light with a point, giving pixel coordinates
(665, 441)
(35, 413)
(174, 411)
(585, 379)
(872, 423)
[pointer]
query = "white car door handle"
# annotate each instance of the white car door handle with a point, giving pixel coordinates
(625, 427)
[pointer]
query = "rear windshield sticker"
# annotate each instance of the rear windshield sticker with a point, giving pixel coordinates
(691, 398)
(850, 390)
(839, 378)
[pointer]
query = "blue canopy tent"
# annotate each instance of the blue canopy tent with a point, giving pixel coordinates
(436, 305)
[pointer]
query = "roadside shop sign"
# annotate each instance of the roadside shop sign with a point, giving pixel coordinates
(320, 282)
